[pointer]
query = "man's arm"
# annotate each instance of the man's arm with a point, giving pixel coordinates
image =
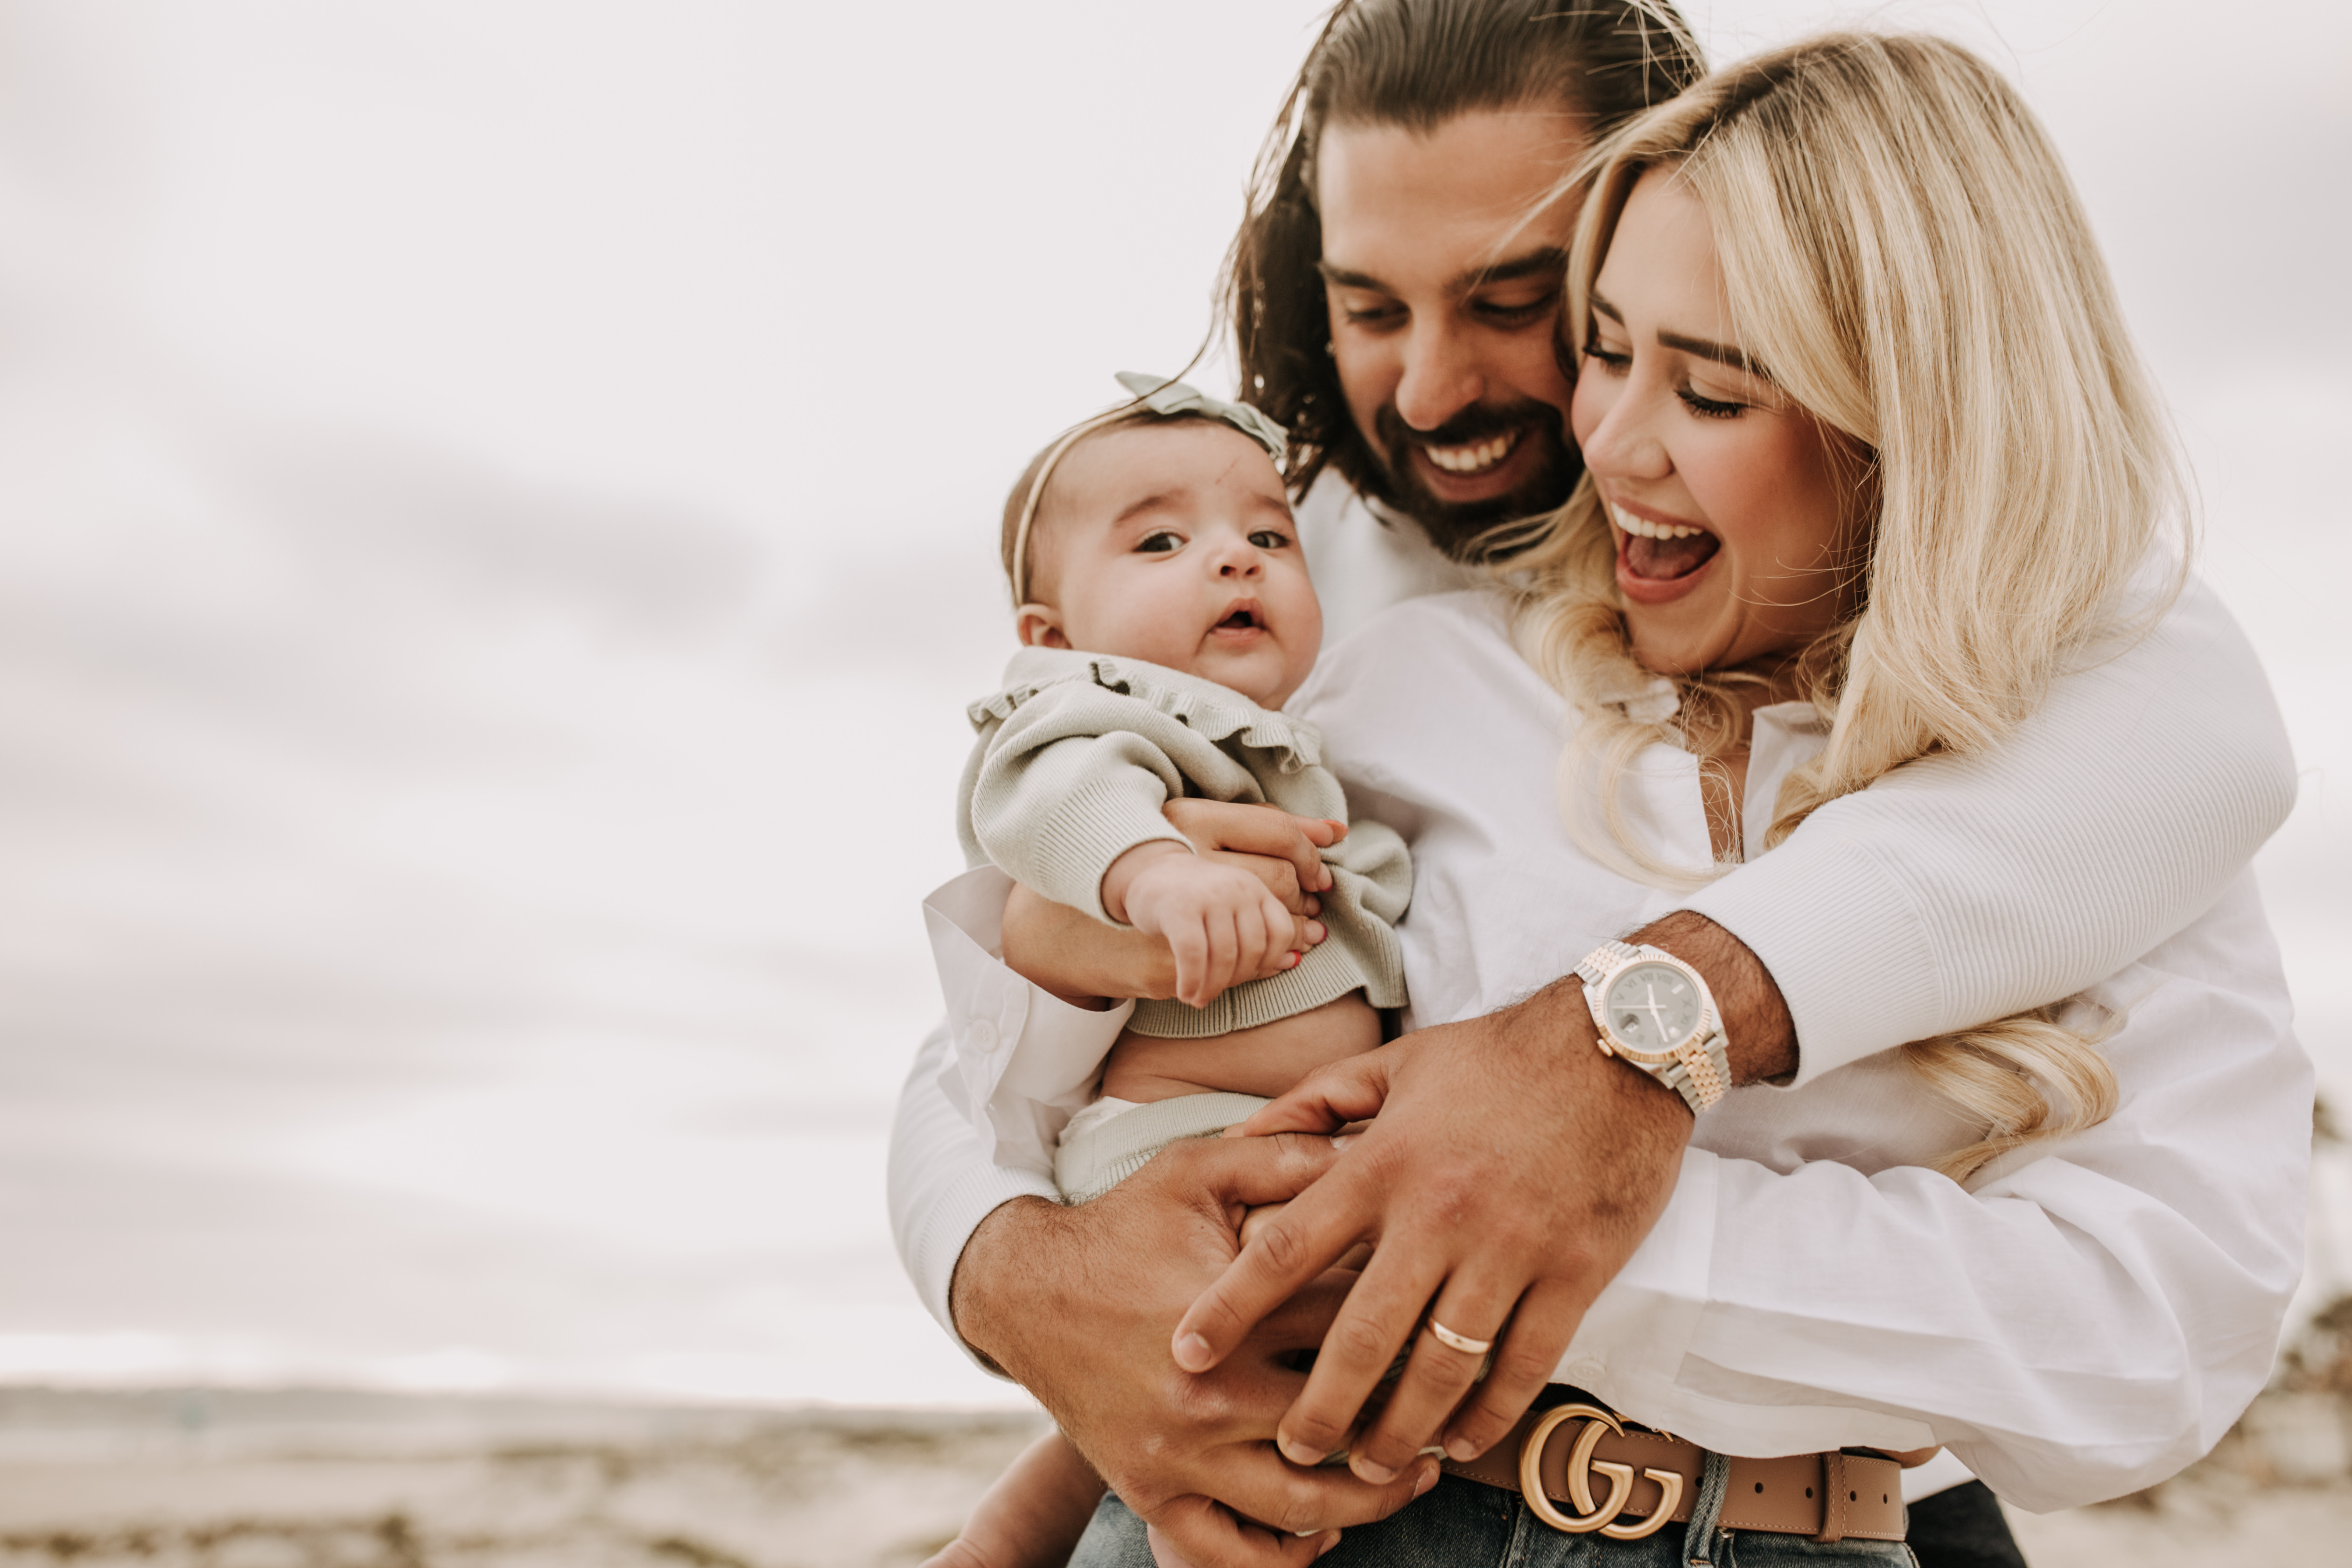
(2083, 1319)
(1077, 1305)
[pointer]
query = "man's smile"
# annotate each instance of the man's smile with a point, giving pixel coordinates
(1476, 456)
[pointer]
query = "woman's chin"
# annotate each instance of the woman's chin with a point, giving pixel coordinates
(1677, 645)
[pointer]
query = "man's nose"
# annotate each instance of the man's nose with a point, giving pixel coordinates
(1441, 376)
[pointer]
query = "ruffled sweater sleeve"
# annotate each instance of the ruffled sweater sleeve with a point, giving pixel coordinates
(1079, 751)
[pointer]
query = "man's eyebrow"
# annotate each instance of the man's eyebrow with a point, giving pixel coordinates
(1547, 258)
(1721, 354)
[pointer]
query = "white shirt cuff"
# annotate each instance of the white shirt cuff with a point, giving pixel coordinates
(1024, 1060)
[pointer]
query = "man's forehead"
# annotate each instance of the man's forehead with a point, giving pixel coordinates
(1463, 196)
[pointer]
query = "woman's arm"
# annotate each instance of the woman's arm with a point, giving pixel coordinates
(1961, 889)
(2079, 1324)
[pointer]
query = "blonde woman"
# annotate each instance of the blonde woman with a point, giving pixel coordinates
(1871, 463)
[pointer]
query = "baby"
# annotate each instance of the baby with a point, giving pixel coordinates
(1166, 616)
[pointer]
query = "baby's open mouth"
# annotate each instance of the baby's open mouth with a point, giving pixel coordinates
(1239, 621)
(1662, 552)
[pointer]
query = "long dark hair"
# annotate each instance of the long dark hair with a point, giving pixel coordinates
(1418, 64)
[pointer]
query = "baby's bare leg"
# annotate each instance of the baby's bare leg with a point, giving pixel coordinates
(1268, 1060)
(1032, 1516)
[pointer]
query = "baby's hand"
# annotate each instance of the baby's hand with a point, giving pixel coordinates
(1219, 922)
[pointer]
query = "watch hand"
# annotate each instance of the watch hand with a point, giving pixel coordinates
(1657, 1014)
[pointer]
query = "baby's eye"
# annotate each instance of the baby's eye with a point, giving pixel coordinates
(1270, 539)
(1158, 542)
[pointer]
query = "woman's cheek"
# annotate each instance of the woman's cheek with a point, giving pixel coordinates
(1587, 408)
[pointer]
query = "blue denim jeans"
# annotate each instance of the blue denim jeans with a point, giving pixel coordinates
(1468, 1524)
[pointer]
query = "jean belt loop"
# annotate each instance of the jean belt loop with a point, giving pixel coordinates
(1699, 1534)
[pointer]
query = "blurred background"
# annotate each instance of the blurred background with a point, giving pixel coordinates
(497, 503)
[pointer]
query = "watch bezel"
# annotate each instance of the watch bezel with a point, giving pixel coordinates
(1596, 999)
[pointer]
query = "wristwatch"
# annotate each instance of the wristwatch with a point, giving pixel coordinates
(1654, 1011)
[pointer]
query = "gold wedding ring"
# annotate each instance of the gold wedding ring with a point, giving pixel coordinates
(1461, 1342)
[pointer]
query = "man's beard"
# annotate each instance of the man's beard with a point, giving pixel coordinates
(1456, 527)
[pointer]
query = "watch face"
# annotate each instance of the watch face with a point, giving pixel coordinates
(1652, 1008)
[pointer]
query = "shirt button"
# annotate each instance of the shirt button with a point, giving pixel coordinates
(1582, 1371)
(983, 1036)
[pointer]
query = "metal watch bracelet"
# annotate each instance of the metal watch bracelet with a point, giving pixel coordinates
(1701, 1068)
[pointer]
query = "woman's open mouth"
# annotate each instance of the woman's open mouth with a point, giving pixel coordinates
(1662, 552)
(1659, 561)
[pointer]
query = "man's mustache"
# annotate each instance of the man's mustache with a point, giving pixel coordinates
(1476, 422)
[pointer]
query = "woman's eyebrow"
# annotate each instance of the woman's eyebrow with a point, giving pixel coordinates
(1721, 354)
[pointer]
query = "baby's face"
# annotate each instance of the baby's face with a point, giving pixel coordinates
(1174, 543)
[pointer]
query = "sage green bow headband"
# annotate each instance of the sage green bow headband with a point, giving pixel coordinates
(1161, 395)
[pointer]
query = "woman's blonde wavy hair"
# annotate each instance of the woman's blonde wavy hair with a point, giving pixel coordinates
(1901, 245)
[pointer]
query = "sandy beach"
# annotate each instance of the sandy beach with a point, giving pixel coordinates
(307, 1479)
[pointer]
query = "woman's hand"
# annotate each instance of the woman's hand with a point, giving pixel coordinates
(1283, 851)
(1219, 922)
(1082, 961)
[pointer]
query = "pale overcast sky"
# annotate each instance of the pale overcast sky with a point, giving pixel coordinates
(499, 501)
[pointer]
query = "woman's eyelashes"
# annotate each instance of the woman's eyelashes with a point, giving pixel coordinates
(1706, 407)
(1617, 363)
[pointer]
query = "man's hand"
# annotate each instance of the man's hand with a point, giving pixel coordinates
(1509, 1172)
(1077, 1305)
(1220, 924)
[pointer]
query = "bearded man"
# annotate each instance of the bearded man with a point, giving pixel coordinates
(1395, 296)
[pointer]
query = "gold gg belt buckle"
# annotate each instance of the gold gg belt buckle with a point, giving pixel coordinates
(1581, 1465)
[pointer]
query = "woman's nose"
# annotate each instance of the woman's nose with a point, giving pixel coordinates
(1625, 445)
(1442, 377)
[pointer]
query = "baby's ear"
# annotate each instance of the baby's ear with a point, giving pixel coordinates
(1040, 625)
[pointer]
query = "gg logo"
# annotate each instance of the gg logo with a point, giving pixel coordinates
(1581, 1465)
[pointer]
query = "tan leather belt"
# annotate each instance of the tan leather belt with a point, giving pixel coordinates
(1558, 1458)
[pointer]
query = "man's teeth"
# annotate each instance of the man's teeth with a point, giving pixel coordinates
(1476, 457)
(1648, 529)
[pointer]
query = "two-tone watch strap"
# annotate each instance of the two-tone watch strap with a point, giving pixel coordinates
(1700, 1072)
(1603, 960)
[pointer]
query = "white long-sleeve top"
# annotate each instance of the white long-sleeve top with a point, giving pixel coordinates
(2106, 826)
(2085, 1318)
